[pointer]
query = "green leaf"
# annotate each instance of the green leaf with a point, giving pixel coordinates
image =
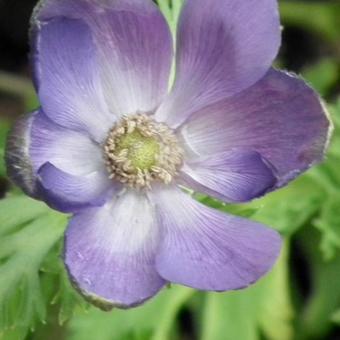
(289, 208)
(68, 300)
(322, 17)
(335, 140)
(336, 317)
(10, 219)
(156, 320)
(243, 210)
(329, 224)
(263, 308)
(328, 176)
(323, 76)
(25, 240)
(315, 319)
(286, 210)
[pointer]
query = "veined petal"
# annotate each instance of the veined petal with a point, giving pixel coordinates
(223, 47)
(70, 193)
(69, 167)
(208, 250)
(70, 151)
(280, 117)
(35, 140)
(109, 252)
(233, 176)
(67, 73)
(134, 48)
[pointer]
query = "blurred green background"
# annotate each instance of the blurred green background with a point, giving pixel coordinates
(298, 300)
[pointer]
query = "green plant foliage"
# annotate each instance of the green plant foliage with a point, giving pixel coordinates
(319, 312)
(27, 236)
(263, 308)
(321, 17)
(328, 175)
(154, 321)
(324, 75)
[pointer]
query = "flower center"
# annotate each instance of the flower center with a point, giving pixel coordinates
(139, 150)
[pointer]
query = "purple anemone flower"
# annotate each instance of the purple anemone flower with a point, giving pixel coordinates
(112, 146)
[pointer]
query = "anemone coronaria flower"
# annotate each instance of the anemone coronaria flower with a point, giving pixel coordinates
(118, 148)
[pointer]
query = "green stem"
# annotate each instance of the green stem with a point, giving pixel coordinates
(52, 330)
(168, 319)
(165, 8)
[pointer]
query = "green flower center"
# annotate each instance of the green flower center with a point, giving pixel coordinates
(142, 151)
(139, 151)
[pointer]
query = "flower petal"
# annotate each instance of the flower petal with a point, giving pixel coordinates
(280, 117)
(69, 193)
(17, 157)
(109, 252)
(68, 84)
(206, 249)
(134, 46)
(223, 48)
(234, 176)
(35, 140)
(68, 150)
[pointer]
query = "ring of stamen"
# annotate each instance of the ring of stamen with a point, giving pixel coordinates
(139, 150)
